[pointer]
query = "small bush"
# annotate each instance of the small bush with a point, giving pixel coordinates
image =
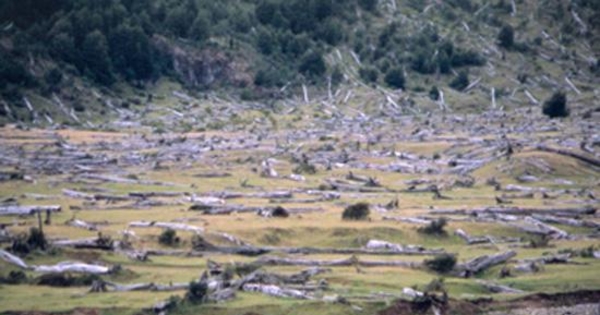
(304, 167)
(434, 93)
(359, 211)
(506, 37)
(441, 263)
(368, 74)
(556, 106)
(14, 277)
(280, 212)
(539, 241)
(395, 78)
(460, 82)
(169, 238)
(36, 239)
(66, 280)
(436, 227)
(197, 292)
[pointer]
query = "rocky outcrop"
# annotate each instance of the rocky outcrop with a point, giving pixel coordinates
(207, 67)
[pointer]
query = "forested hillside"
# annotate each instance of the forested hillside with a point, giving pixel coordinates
(256, 47)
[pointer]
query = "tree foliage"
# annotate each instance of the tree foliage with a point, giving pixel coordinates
(556, 106)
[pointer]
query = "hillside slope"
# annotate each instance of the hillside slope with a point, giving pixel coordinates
(88, 63)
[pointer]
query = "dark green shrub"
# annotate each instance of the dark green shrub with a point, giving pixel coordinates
(368, 74)
(197, 292)
(358, 211)
(14, 277)
(395, 78)
(436, 227)
(506, 37)
(36, 239)
(434, 93)
(441, 263)
(280, 212)
(312, 65)
(460, 82)
(168, 237)
(556, 106)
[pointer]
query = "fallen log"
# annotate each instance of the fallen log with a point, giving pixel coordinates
(273, 290)
(12, 259)
(150, 194)
(74, 267)
(546, 229)
(588, 159)
(476, 265)
(27, 210)
(406, 219)
(81, 224)
(401, 249)
(471, 240)
(498, 288)
(551, 259)
(105, 286)
(562, 212)
(565, 221)
(165, 225)
(351, 261)
(100, 243)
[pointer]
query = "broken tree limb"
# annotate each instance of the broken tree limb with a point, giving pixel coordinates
(476, 265)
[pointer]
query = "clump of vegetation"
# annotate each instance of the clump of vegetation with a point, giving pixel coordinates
(435, 227)
(14, 277)
(460, 82)
(395, 78)
(280, 212)
(434, 93)
(169, 238)
(556, 106)
(304, 167)
(199, 243)
(539, 241)
(66, 280)
(197, 292)
(357, 212)
(506, 37)
(24, 244)
(442, 263)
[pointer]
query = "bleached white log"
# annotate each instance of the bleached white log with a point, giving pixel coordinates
(570, 83)
(75, 267)
(276, 291)
(166, 225)
(27, 210)
(12, 259)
